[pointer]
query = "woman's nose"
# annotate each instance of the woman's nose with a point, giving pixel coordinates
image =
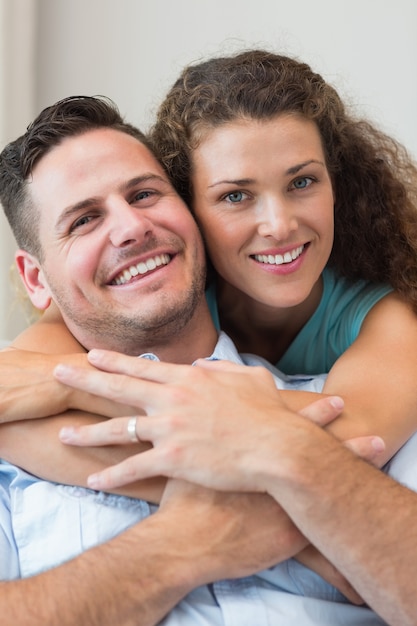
(276, 219)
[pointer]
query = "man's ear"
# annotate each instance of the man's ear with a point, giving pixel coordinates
(33, 279)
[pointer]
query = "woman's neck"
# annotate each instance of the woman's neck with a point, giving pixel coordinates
(261, 329)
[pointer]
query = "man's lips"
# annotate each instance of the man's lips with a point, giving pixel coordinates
(141, 268)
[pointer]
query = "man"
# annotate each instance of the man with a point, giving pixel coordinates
(106, 213)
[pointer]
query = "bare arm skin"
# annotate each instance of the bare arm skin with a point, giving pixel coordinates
(359, 518)
(32, 391)
(376, 377)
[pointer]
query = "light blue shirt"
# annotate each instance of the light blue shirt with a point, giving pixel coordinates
(43, 524)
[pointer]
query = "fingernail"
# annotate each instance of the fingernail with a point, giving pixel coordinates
(93, 482)
(61, 370)
(337, 402)
(67, 433)
(378, 444)
(94, 355)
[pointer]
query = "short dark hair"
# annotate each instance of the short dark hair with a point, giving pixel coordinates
(69, 117)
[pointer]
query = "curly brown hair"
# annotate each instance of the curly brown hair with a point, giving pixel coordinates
(374, 179)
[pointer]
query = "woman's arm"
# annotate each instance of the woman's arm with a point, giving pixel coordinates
(45, 456)
(48, 334)
(30, 390)
(377, 377)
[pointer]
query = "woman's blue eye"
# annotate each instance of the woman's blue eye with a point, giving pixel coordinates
(234, 196)
(302, 183)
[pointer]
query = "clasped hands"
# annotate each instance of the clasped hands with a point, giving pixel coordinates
(216, 424)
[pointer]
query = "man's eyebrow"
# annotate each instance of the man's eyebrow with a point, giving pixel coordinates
(95, 200)
(144, 178)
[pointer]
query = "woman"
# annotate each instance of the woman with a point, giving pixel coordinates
(216, 124)
(310, 221)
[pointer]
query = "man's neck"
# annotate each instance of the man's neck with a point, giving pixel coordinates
(195, 341)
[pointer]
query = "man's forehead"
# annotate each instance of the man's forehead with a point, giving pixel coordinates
(100, 141)
(98, 155)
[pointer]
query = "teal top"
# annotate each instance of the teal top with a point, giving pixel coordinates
(332, 328)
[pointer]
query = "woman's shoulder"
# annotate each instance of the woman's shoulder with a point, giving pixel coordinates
(339, 291)
(334, 326)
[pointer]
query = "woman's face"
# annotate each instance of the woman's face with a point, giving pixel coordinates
(264, 201)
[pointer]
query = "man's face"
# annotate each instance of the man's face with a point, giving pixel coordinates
(123, 257)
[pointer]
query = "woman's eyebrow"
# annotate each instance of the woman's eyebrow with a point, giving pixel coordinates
(237, 181)
(296, 168)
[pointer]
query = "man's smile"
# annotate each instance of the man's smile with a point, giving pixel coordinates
(143, 267)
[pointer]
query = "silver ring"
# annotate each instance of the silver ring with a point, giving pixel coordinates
(131, 430)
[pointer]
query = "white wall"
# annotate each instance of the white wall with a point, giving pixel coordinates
(17, 106)
(132, 50)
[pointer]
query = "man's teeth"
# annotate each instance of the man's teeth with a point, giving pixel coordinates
(279, 259)
(142, 268)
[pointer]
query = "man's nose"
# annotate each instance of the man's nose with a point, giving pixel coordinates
(128, 224)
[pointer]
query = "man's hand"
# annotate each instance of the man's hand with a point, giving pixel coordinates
(229, 535)
(189, 408)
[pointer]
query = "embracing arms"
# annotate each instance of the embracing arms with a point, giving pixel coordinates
(358, 517)
(139, 576)
(375, 376)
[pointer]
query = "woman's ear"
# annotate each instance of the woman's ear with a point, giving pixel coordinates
(33, 279)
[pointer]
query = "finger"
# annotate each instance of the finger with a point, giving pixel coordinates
(324, 410)
(134, 468)
(224, 366)
(109, 432)
(146, 369)
(124, 389)
(368, 448)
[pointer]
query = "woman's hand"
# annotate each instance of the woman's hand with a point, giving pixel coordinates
(28, 388)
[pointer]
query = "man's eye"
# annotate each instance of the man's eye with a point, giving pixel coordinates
(142, 195)
(82, 221)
